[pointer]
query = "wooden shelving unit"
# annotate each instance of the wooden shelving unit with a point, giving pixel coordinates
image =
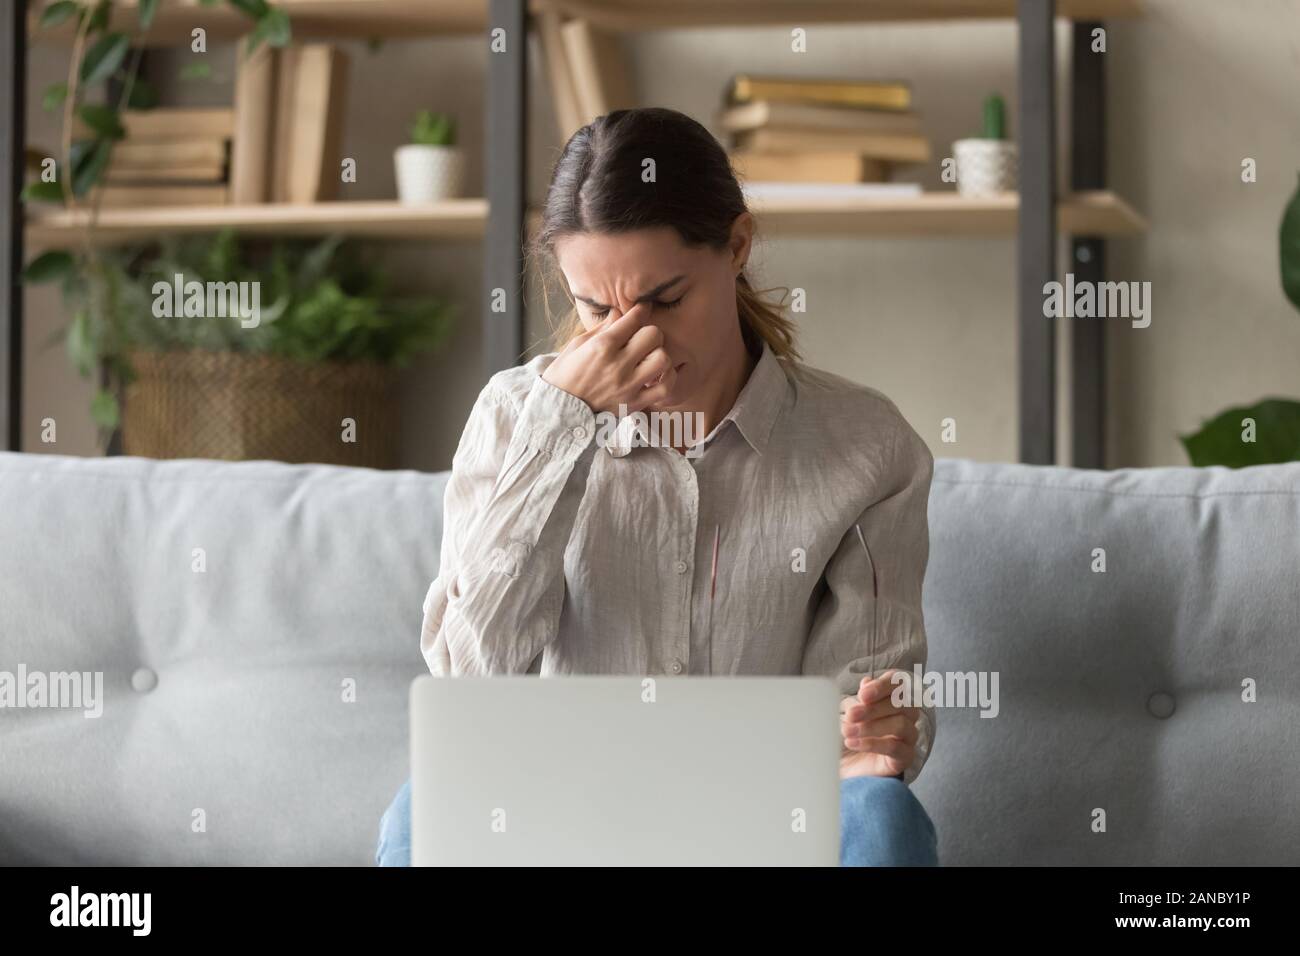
(629, 15)
(456, 219)
(311, 20)
(930, 214)
(1037, 216)
(942, 214)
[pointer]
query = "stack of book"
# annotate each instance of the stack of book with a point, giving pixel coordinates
(169, 157)
(820, 131)
(280, 142)
(289, 107)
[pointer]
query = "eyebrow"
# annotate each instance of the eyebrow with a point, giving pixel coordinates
(662, 287)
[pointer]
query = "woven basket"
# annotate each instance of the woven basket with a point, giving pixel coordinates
(201, 404)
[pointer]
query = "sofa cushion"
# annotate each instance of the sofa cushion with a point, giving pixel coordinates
(257, 627)
(1120, 691)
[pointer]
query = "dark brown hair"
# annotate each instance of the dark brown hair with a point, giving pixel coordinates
(597, 186)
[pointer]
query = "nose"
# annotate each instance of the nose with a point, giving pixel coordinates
(624, 308)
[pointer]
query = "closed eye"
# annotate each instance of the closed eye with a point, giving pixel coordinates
(655, 303)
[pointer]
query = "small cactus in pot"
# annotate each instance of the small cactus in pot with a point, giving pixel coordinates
(430, 167)
(986, 165)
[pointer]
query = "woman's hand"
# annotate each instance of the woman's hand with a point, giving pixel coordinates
(879, 738)
(622, 363)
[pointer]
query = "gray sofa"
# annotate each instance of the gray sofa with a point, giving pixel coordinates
(256, 626)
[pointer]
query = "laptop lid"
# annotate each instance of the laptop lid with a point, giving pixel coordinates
(638, 771)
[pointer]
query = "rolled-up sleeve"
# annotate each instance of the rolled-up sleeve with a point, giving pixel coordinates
(517, 479)
(895, 530)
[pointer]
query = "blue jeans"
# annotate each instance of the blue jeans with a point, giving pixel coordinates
(881, 824)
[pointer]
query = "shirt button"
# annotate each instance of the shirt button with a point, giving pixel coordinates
(675, 666)
(580, 433)
(681, 567)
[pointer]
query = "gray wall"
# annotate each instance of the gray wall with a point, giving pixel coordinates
(1195, 87)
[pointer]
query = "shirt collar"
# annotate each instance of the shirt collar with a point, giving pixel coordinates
(759, 404)
(755, 411)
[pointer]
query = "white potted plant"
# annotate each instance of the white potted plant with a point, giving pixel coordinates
(987, 165)
(431, 166)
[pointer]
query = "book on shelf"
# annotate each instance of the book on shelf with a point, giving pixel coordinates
(860, 94)
(809, 166)
(288, 124)
(830, 192)
(157, 154)
(797, 129)
(598, 70)
(210, 173)
(311, 87)
(168, 123)
(887, 147)
(167, 157)
(254, 124)
(131, 197)
(774, 114)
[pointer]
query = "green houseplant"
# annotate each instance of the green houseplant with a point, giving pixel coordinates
(1267, 432)
(102, 61)
(303, 375)
(230, 348)
(431, 166)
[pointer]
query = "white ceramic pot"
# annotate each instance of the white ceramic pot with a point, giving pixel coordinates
(985, 166)
(428, 173)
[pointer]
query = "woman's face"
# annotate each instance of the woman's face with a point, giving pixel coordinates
(692, 293)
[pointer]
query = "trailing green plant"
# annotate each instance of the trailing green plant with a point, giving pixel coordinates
(320, 301)
(1267, 432)
(102, 54)
(433, 129)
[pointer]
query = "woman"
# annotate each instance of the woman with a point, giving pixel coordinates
(791, 540)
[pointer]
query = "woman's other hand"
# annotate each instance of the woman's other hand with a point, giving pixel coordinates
(879, 737)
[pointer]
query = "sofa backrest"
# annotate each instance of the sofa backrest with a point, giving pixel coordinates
(1159, 697)
(257, 628)
(256, 625)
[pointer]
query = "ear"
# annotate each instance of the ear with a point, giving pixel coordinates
(741, 241)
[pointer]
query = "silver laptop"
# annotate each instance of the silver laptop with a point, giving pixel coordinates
(624, 771)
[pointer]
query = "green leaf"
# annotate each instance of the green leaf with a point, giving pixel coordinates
(54, 96)
(103, 120)
(1289, 249)
(103, 59)
(1220, 440)
(253, 8)
(49, 267)
(42, 192)
(104, 409)
(433, 129)
(144, 95)
(272, 28)
(56, 13)
(147, 10)
(98, 15)
(81, 352)
(87, 172)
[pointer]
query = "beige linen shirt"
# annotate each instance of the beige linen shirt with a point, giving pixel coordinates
(565, 551)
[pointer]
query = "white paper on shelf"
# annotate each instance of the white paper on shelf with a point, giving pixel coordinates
(783, 190)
